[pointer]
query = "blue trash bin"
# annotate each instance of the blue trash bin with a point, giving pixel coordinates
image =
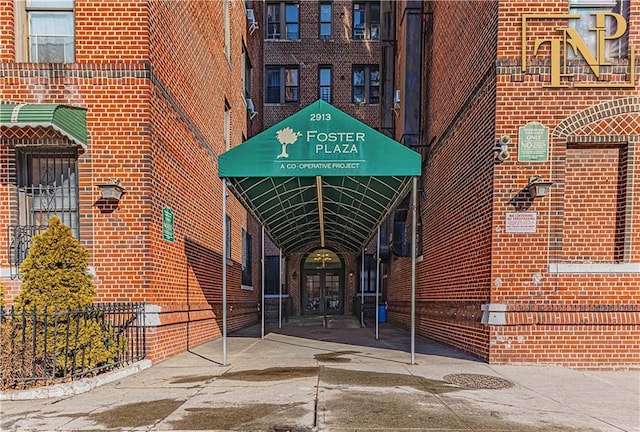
(382, 314)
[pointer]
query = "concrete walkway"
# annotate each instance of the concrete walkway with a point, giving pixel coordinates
(339, 379)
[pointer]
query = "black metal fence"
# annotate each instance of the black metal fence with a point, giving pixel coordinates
(46, 346)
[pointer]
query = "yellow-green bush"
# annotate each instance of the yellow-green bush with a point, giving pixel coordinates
(55, 280)
(54, 274)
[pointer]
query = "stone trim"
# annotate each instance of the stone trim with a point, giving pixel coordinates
(494, 314)
(580, 268)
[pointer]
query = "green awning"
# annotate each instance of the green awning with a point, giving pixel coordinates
(68, 120)
(320, 176)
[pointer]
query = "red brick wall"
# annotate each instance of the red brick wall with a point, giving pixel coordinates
(587, 318)
(586, 219)
(7, 30)
(595, 199)
(309, 52)
(453, 274)
(154, 78)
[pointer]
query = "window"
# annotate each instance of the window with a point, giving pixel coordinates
(369, 275)
(228, 249)
(366, 20)
(247, 248)
(282, 85)
(325, 20)
(227, 30)
(47, 186)
(246, 72)
(272, 275)
(279, 28)
(616, 48)
(51, 31)
(366, 84)
(325, 83)
(227, 125)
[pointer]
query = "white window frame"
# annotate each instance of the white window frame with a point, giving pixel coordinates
(23, 12)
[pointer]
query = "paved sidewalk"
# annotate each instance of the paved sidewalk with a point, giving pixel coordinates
(341, 379)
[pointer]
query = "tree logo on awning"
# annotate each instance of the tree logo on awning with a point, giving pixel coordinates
(286, 136)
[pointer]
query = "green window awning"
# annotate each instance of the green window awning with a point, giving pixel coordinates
(68, 120)
(320, 176)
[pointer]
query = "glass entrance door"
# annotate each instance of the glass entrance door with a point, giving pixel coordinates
(322, 292)
(323, 287)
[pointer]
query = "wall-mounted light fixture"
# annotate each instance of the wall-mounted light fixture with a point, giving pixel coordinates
(294, 275)
(537, 187)
(111, 191)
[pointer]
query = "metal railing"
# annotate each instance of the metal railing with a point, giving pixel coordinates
(19, 239)
(41, 347)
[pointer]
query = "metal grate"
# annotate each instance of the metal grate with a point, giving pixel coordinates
(46, 186)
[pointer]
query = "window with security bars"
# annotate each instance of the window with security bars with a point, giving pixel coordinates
(51, 31)
(47, 185)
(325, 83)
(366, 20)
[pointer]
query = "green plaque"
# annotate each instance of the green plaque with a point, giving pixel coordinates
(167, 224)
(533, 143)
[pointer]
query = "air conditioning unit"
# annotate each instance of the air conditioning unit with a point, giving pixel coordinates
(251, 19)
(251, 109)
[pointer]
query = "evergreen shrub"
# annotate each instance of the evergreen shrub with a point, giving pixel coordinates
(57, 293)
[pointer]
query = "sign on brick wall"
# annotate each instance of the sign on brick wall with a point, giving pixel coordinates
(521, 222)
(533, 143)
(167, 224)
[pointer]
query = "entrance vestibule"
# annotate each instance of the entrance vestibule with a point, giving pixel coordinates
(322, 290)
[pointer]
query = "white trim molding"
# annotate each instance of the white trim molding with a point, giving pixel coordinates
(594, 268)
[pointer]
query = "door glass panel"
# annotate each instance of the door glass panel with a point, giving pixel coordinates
(332, 292)
(323, 289)
(313, 293)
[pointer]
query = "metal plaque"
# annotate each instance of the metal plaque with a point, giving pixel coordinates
(533, 143)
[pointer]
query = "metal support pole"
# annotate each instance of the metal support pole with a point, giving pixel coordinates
(362, 291)
(414, 197)
(377, 283)
(262, 283)
(224, 271)
(280, 290)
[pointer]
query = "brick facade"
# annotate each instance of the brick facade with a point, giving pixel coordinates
(566, 293)
(340, 52)
(155, 79)
(156, 83)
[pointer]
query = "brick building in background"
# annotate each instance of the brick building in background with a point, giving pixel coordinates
(327, 50)
(168, 86)
(508, 276)
(165, 87)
